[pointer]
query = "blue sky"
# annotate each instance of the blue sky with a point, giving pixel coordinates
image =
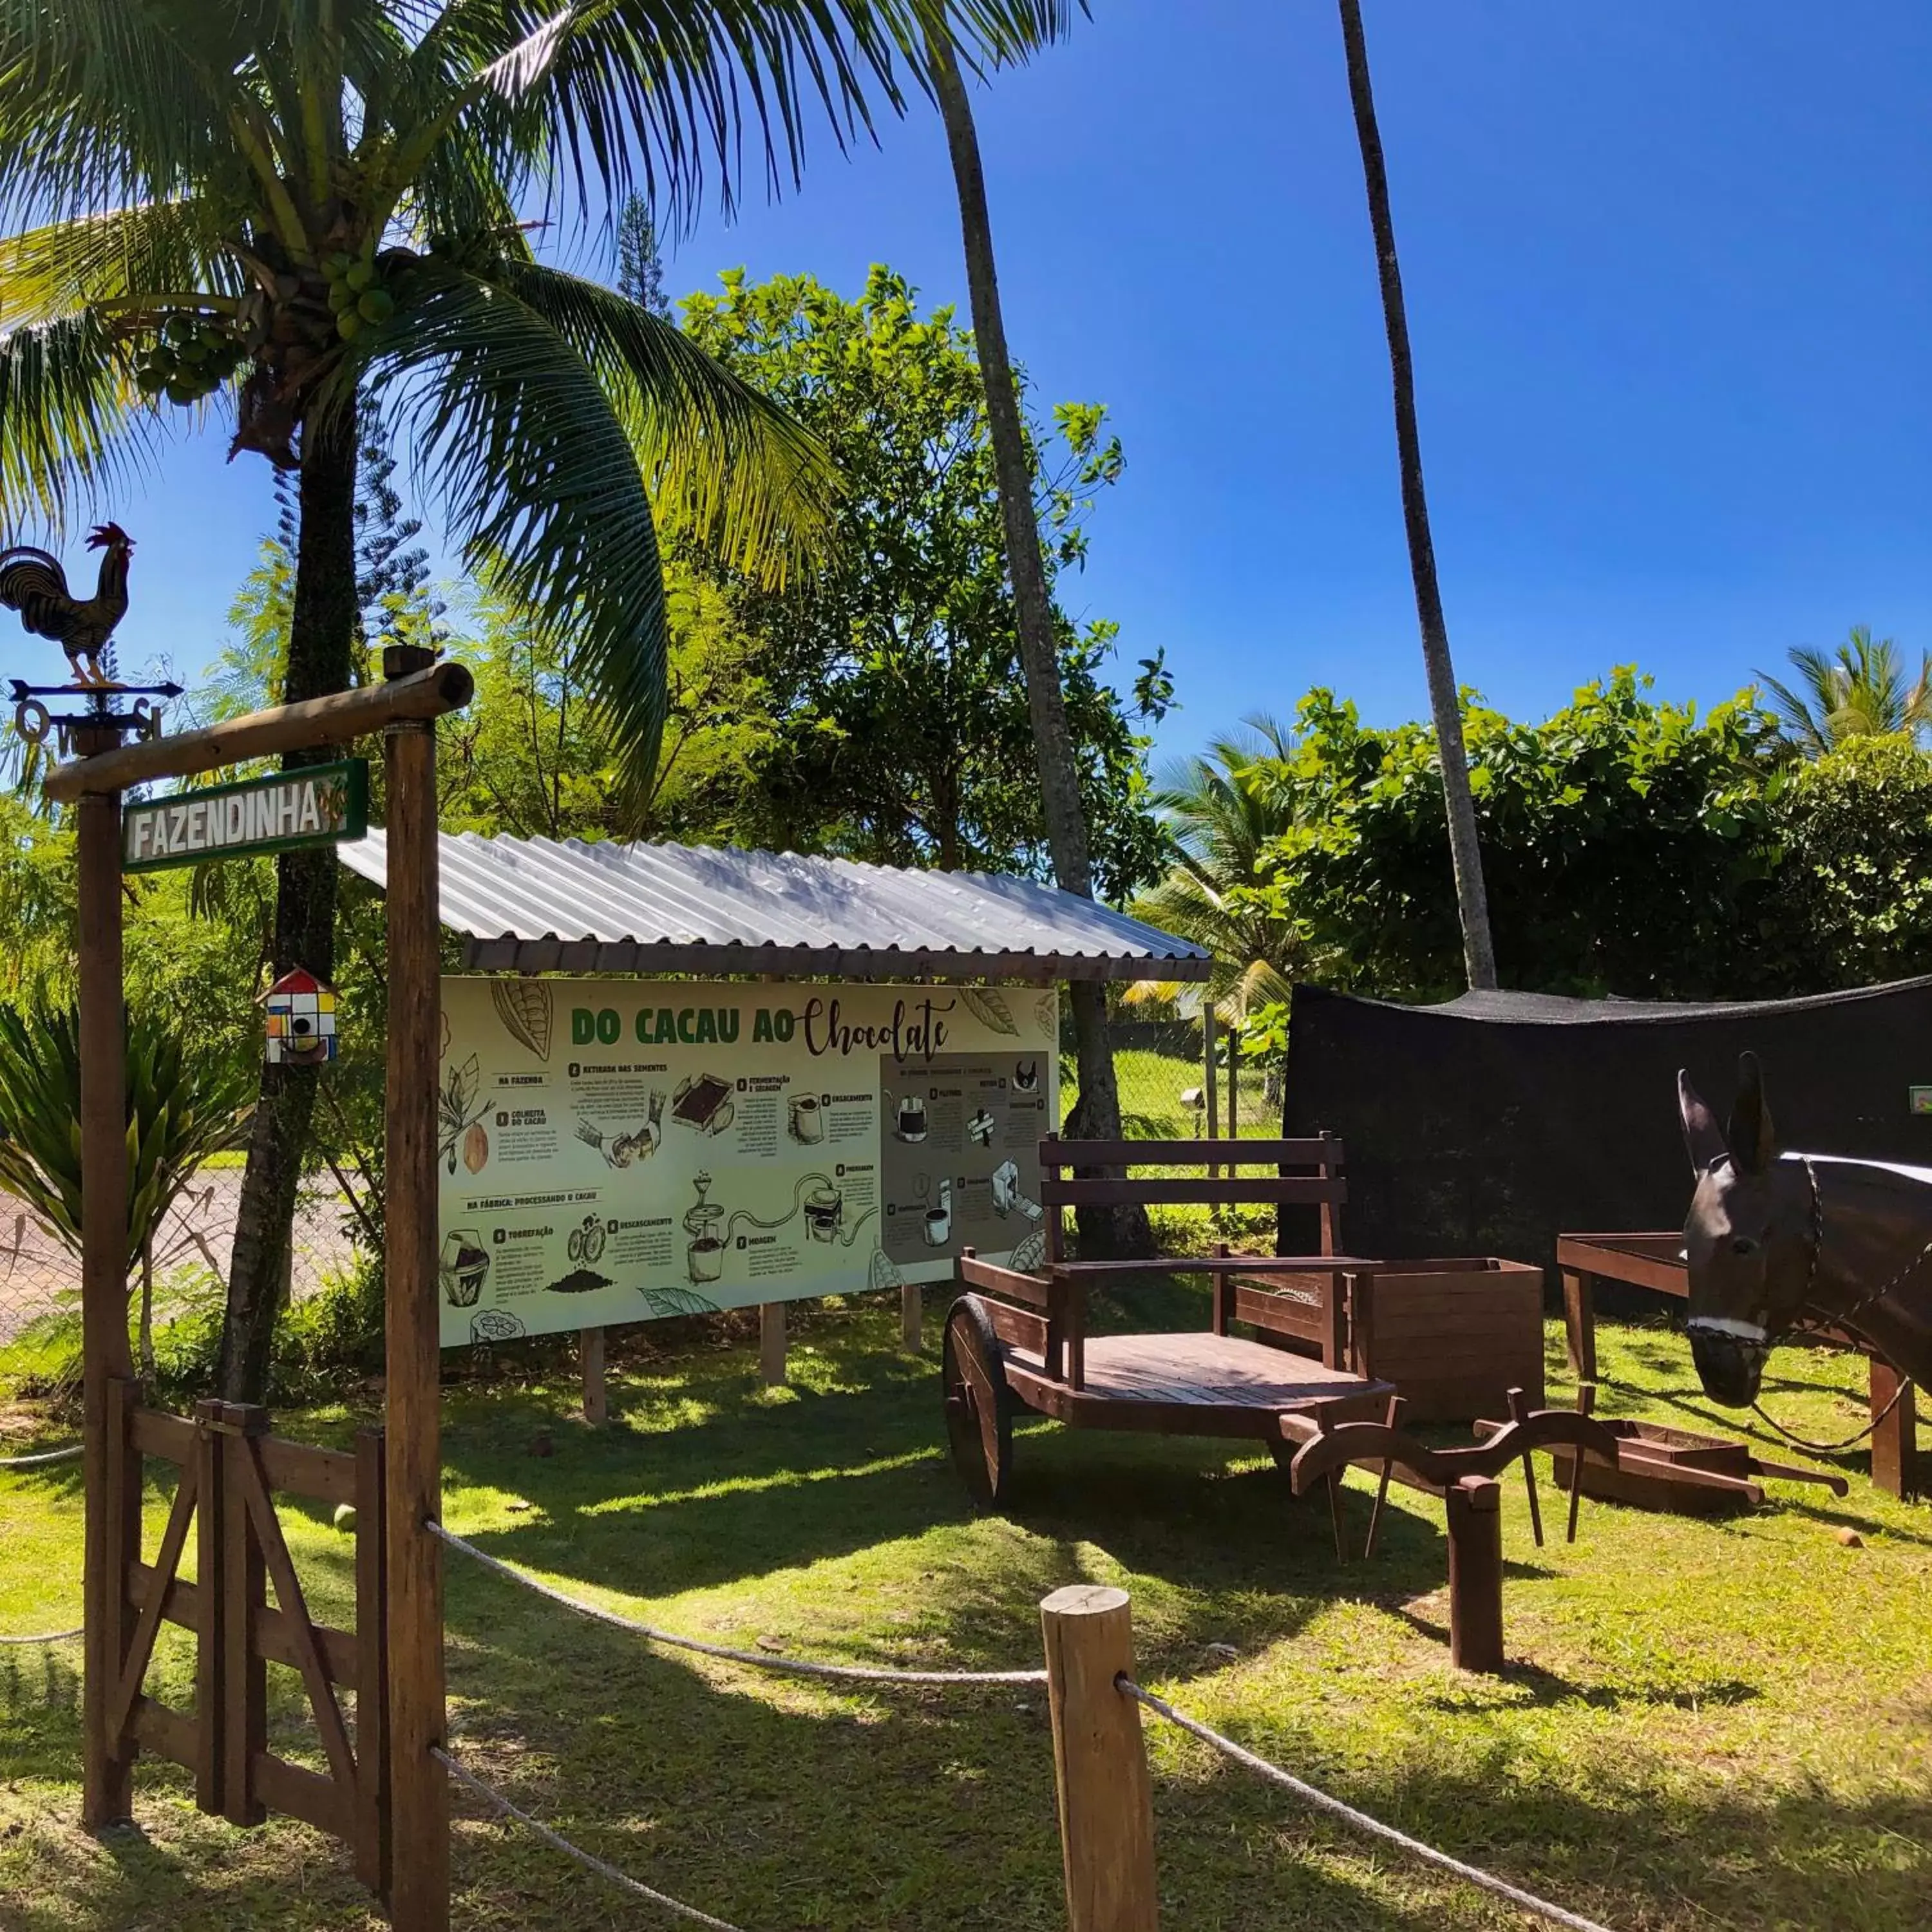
(1668, 269)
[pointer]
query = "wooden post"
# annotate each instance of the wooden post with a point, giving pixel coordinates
(1894, 1451)
(912, 1317)
(772, 1343)
(590, 1361)
(244, 1587)
(372, 1843)
(1474, 1506)
(210, 1717)
(1579, 1322)
(1099, 1762)
(111, 1471)
(1210, 1078)
(419, 1788)
(1233, 1085)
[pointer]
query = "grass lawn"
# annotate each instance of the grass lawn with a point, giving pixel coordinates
(1706, 1724)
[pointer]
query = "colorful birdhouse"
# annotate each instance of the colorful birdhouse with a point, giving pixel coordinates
(302, 1021)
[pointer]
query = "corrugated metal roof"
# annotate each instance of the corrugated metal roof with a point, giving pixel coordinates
(536, 905)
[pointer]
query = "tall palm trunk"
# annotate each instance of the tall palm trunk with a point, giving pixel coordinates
(1120, 1231)
(1479, 956)
(322, 631)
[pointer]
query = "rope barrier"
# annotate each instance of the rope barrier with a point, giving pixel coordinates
(51, 1636)
(556, 1841)
(51, 1456)
(1362, 1822)
(786, 1665)
(1884, 1415)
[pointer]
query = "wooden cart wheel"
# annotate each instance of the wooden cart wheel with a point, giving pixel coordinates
(979, 1401)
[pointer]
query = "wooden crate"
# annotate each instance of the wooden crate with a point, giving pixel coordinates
(1455, 1337)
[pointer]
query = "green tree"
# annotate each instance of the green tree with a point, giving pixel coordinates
(1479, 954)
(182, 1106)
(1861, 690)
(885, 716)
(1224, 812)
(312, 211)
(1850, 901)
(1629, 847)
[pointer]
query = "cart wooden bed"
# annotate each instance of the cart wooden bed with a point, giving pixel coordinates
(1021, 1341)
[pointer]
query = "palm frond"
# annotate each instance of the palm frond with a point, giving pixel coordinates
(103, 104)
(508, 426)
(53, 270)
(71, 421)
(720, 460)
(660, 95)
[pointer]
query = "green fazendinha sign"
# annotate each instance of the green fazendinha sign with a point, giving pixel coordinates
(319, 805)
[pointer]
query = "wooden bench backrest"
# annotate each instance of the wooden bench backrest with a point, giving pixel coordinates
(1094, 1173)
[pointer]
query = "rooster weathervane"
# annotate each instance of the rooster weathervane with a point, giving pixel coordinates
(33, 582)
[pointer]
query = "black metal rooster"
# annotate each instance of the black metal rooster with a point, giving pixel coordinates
(33, 582)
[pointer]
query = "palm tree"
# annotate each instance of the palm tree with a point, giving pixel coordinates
(1479, 956)
(307, 212)
(1124, 1231)
(1857, 691)
(1224, 811)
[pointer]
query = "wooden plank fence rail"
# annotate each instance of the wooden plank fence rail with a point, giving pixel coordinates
(231, 1469)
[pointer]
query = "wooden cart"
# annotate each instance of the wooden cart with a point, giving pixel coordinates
(1021, 1340)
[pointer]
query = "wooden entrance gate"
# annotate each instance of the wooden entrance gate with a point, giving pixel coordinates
(231, 1470)
(383, 1785)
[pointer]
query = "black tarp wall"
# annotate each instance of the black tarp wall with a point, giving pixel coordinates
(1489, 1124)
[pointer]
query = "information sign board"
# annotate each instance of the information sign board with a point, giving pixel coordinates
(318, 805)
(616, 1150)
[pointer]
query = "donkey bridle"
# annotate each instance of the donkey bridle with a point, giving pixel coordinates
(1864, 1301)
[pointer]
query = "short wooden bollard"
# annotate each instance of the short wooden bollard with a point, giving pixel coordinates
(1099, 1761)
(912, 1314)
(1475, 1508)
(590, 1361)
(1894, 1450)
(772, 1343)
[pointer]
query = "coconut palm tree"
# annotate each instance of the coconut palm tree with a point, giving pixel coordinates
(289, 211)
(1122, 1231)
(1224, 810)
(1479, 954)
(1858, 691)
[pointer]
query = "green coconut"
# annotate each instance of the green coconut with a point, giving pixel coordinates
(184, 393)
(348, 325)
(360, 275)
(376, 306)
(341, 296)
(150, 380)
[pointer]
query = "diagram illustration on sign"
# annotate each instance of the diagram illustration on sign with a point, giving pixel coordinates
(614, 1150)
(621, 1149)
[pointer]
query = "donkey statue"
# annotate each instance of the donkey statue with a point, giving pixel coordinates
(1776, 1240)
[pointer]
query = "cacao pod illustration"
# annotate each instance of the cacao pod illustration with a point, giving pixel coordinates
(527, 1011)
(476, 1148)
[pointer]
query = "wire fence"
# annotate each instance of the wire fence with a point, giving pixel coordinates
(39, 1276)
(1167, 1085)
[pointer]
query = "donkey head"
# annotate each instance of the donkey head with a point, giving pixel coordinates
(1748, 1239)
